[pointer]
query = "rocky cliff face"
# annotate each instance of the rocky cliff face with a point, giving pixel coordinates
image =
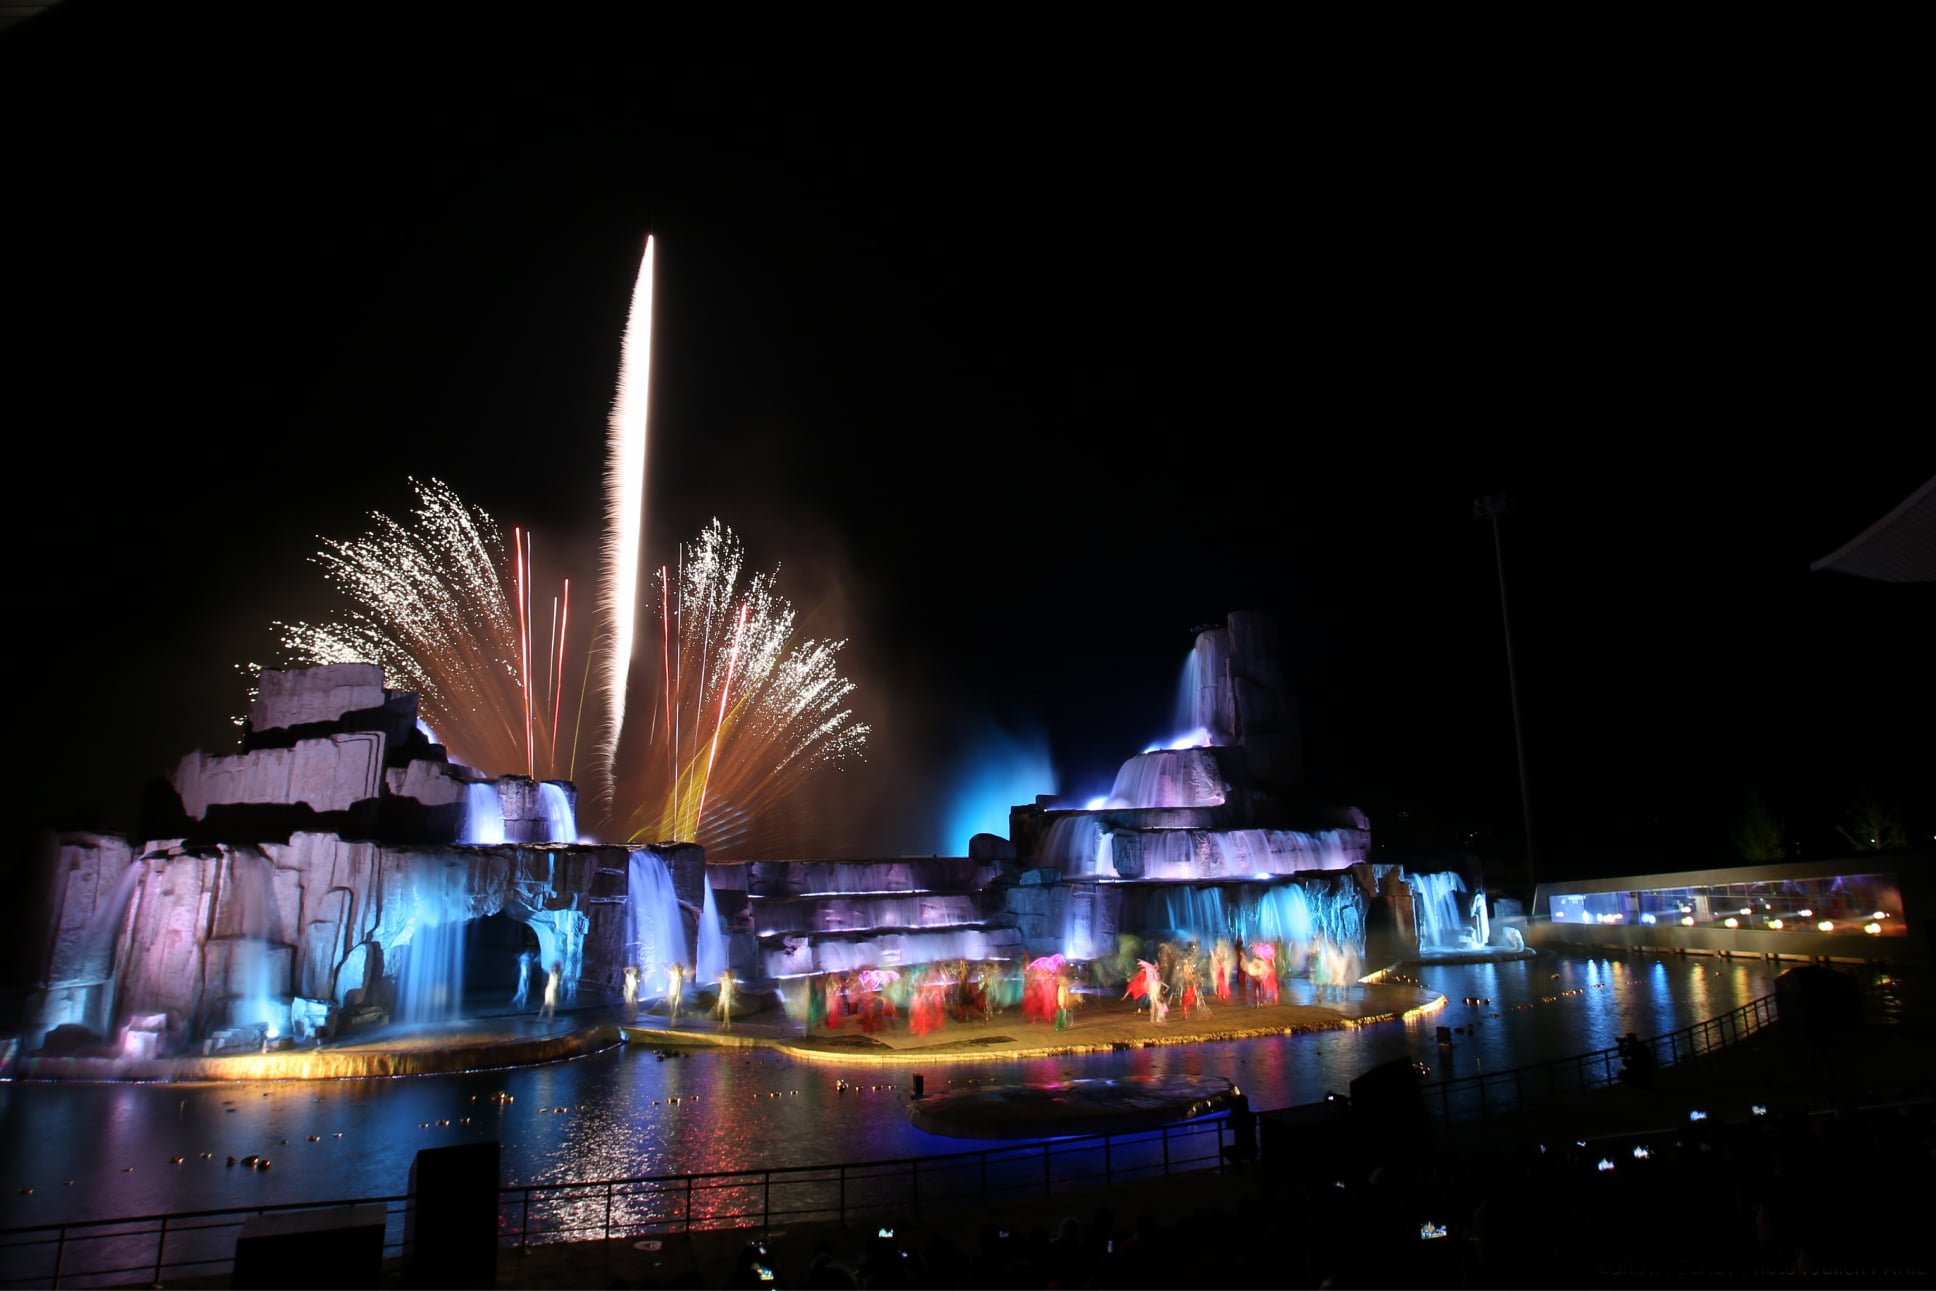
(280, 909)
(329, 875)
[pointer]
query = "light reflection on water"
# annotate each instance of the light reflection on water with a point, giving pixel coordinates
(631, 1112)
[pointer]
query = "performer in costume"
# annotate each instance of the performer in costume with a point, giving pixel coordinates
(724, 1008)
(1190, 999)
(1065, 993)
(556, 979)
(675, 992)
(928, 1007)
(837, 1007)
(523, 997)
(1223, 967)
(1148, 984)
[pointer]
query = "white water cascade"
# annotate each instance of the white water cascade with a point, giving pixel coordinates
(483, 814)
(1298, 915)
(1440, 912)
(657, 937)
(561, 825)
(257, 962)
(430, 976)
(713, 957)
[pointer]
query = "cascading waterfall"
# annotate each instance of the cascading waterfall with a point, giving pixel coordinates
(1189, 699)
(256, 998)
(1298, 916)
(658, 931)
(483, 814)
(105, 923)
(1440, 913)
(1079, 846)
(430, 976)
(430, 980)
(713, 957)
(561, 825)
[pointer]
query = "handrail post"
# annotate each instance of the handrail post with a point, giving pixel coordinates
(161, 1248)
(608, 1210)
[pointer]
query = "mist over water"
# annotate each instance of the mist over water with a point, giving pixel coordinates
(996, 769)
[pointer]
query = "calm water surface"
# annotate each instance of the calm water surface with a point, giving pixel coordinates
(633, 1112)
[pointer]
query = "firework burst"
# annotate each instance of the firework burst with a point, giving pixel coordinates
(443, 604)
(745, 711)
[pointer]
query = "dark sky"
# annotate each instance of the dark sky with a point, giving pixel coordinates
(1025, 346)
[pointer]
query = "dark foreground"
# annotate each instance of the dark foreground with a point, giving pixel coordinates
(1827, 1193)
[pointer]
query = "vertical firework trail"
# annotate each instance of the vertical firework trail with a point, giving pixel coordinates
(746, 711)
(624, 521)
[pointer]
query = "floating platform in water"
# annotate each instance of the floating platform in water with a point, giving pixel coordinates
(1102, 1106)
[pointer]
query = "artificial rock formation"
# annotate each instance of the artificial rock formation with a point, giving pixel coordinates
(278, 912)
(328, 875)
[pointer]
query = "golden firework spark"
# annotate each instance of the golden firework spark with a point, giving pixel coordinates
(745, 711)
(429, 600)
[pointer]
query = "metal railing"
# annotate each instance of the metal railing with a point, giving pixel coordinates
(904, 1188)
(1491, 1093)
(153, 1249)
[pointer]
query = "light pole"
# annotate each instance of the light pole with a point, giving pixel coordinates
(1491, 508)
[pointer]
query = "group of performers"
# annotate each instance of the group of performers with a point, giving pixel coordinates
(677, 978)
(1186, 977)
(930, 996)
(1183, 980)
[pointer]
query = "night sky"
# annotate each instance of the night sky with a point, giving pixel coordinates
(1025, 346)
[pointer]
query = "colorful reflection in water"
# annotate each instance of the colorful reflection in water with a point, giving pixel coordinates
(640, 1111)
